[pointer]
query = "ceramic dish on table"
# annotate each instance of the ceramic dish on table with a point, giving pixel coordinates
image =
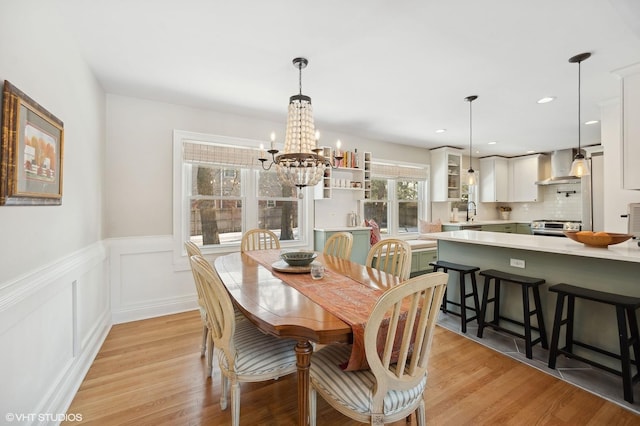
(298, 258)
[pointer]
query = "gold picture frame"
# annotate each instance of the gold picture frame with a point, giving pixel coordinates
(31, 151)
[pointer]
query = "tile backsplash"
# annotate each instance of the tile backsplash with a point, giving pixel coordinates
(560, 202)
(555, 204)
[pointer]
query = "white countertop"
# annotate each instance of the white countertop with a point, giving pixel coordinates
(626, 252)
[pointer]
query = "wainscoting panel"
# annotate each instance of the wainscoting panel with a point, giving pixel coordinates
(145, 283)
(52, 324)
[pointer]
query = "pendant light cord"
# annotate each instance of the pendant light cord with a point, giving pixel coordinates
(470, 99)
(579, 103)
(470, 135)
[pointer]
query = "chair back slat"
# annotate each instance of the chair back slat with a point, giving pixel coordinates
(391, 255)
(339, 245)
(259, 239)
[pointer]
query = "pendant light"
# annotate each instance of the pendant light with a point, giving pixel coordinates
(579, 167)
(471, 174)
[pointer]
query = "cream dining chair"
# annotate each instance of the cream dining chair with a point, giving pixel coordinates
(245, 354)
(393, 388)
(259, 239)
(391, 255)
(193, 250)
(339, 245)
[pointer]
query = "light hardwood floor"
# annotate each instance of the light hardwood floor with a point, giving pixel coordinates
(150, 373)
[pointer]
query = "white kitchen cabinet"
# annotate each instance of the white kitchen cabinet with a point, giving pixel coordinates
(446, 169)
(524, 172)
(494, 179)
(630, 127)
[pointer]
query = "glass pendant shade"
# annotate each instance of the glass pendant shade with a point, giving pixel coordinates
(471, 177)
(579, 167)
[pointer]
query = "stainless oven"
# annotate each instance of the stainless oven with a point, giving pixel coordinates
(554, 228)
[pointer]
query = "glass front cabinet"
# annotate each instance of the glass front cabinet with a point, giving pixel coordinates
(446, 172)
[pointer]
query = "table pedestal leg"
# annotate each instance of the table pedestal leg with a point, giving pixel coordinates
(303, 360)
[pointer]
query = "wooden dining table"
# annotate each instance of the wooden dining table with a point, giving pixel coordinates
(273, 301)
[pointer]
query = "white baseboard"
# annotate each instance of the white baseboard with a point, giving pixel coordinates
(154, 309)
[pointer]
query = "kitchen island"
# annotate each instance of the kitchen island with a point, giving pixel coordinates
(614, 269)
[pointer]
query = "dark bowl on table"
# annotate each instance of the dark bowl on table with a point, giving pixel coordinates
(298, 258)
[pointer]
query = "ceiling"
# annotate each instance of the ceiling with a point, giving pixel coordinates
(394, 71)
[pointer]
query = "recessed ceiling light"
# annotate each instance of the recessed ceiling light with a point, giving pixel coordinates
(546, 99)
(492, 143)
(591, 122)
(441, 130)
(530, 151)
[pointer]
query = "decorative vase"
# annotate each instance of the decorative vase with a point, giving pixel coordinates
(505, 215)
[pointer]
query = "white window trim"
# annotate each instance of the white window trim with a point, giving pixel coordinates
(180, 204)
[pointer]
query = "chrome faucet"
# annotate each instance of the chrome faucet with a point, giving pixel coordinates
(471, 204)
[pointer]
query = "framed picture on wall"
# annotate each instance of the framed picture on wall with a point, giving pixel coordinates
(31, 152)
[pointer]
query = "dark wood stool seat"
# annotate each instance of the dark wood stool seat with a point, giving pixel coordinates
(526, 283)
(462, 271)
(626, 307)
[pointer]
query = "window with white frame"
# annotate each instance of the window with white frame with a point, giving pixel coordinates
(398, 197)
(221, 191)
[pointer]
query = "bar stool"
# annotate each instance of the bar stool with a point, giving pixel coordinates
(525, 283)
(462, 271)
(626, 314)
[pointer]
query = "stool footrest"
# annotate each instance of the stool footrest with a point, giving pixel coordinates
(596, 349)
(572, 355)
(511, 332)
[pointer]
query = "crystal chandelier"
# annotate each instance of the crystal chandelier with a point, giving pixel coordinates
(301, 164)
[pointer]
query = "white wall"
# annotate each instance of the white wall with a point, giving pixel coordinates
(54, 298)
(139, 148)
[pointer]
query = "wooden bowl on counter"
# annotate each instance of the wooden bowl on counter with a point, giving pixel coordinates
(597, 239)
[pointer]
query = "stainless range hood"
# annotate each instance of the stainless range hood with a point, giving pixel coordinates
(560, 168)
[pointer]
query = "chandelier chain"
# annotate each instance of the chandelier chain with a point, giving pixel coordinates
(300, 77)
